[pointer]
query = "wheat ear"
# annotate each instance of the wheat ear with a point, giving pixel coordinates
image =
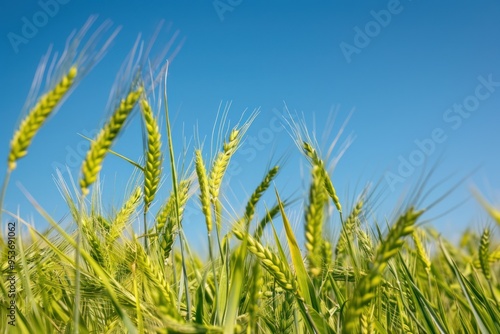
(36, 117)
(152, 169)
(493, 257)
(421, 253)
(271, 262)
(326, 256)
(484, 257)
(218, 170)
(314, 221)
(96, 250)
(257, 194)
(313, 155)
(222, 161)
(167, 210)
(162, 295)
(365, 243)
(286, 313)
(484, 253)
(166, 224)
(98, 149)
(348, 229)
(366, 322)
(123, 216)
(204, 189)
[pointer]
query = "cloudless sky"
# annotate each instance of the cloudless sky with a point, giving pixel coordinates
(399, 75)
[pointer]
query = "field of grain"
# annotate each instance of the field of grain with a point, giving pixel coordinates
(102, 276)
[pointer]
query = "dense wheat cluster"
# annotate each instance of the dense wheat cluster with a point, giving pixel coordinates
(102, 276)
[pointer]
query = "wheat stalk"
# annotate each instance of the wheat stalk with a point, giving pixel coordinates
(100, 147)
(253, 298)
(365, 290)
(37, 116)
(152, 168)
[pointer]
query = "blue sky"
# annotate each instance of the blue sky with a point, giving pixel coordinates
(412, 71)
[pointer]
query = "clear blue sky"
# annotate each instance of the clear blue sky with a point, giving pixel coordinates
(411, 70)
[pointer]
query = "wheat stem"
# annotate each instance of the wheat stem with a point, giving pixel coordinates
(176, 202)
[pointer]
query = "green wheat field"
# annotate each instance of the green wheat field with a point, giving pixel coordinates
(102, 276)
